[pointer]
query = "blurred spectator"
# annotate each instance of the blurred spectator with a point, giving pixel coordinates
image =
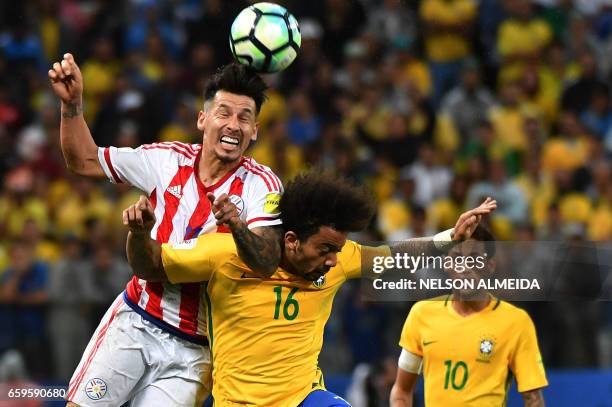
(107, 275)
(521, 39)
(23, 295)
(597, 117)
(431, 179)
(341, 20)
(577, 95)
(99, 71)
(274, 150)
(511, 202)
(149, 20)
(467, 104)
(303, 125)
(448, 27)
(392, 21)
(567, 151)
(69, 320)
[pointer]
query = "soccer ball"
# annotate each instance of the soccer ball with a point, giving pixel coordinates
(266, 37)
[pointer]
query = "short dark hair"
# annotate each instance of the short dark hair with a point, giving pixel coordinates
(483, 234)
(238, 79)
(317, 198)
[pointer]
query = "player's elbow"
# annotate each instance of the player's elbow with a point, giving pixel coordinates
(87, 167)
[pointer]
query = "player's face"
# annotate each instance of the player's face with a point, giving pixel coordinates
(229, 124)
(315, 256)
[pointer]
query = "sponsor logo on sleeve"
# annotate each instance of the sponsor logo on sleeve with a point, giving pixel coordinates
(272, 202)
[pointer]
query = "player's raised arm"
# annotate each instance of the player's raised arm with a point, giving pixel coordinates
(465, 226)
(260, 247)
(143, 253)
(78, 146)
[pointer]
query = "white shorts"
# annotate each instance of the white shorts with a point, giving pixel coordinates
(130, 358)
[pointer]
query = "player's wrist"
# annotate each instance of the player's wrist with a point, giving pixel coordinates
(445, 240)
(72, 108)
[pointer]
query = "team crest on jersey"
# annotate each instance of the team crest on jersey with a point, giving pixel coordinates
(485, 349)
(320, 282)
(96, 388)
(236, 200)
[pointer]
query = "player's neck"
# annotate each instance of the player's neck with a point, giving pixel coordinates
(211, 170)
(286, 265)
(465, 307)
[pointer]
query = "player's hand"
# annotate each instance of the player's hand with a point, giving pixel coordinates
(468, 221)
(140, 217)
(66, 80)
(224, 210)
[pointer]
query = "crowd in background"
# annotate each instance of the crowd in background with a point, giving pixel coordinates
(434, 104)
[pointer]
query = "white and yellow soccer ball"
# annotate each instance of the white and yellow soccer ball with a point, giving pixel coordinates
(266, 37)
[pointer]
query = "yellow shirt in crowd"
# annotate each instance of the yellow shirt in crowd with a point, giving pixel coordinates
(445, 47)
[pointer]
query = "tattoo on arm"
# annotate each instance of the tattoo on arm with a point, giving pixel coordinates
(533, 398)
(144, 256)
(72, 110)
(260, 251)
(415, 247)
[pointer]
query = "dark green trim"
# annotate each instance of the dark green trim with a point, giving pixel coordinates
(497, 304)
(447, 298)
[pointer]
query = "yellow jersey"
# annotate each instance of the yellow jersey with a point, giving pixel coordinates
(470, 361)
(265, 334)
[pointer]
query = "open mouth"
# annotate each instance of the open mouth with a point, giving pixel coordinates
(232, 141)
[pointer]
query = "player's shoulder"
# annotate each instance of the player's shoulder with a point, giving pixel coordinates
(260, 175)
(172, 151)
(511, 311)
(431, 305)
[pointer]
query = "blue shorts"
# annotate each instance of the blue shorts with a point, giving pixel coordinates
(323, 398)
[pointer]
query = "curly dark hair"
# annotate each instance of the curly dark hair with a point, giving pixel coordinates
(238, 79)
(316, 198)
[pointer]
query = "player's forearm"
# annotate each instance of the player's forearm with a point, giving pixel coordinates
(260, 251)
(400, 398)
(144, 256)
(78, 146)
(432, 245)
(533, 398)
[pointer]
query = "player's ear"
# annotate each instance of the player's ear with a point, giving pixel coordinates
(291, 241)
(201, 120)
(254, 136)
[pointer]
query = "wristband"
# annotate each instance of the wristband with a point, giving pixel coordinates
(444, 240)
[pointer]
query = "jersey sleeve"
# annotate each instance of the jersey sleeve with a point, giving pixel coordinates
(134, 166)
(197, 259)
(263, 198)
(357, 260)
(410, 338)
(526, 363)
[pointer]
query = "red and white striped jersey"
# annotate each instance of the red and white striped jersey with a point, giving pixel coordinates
(167, 173)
